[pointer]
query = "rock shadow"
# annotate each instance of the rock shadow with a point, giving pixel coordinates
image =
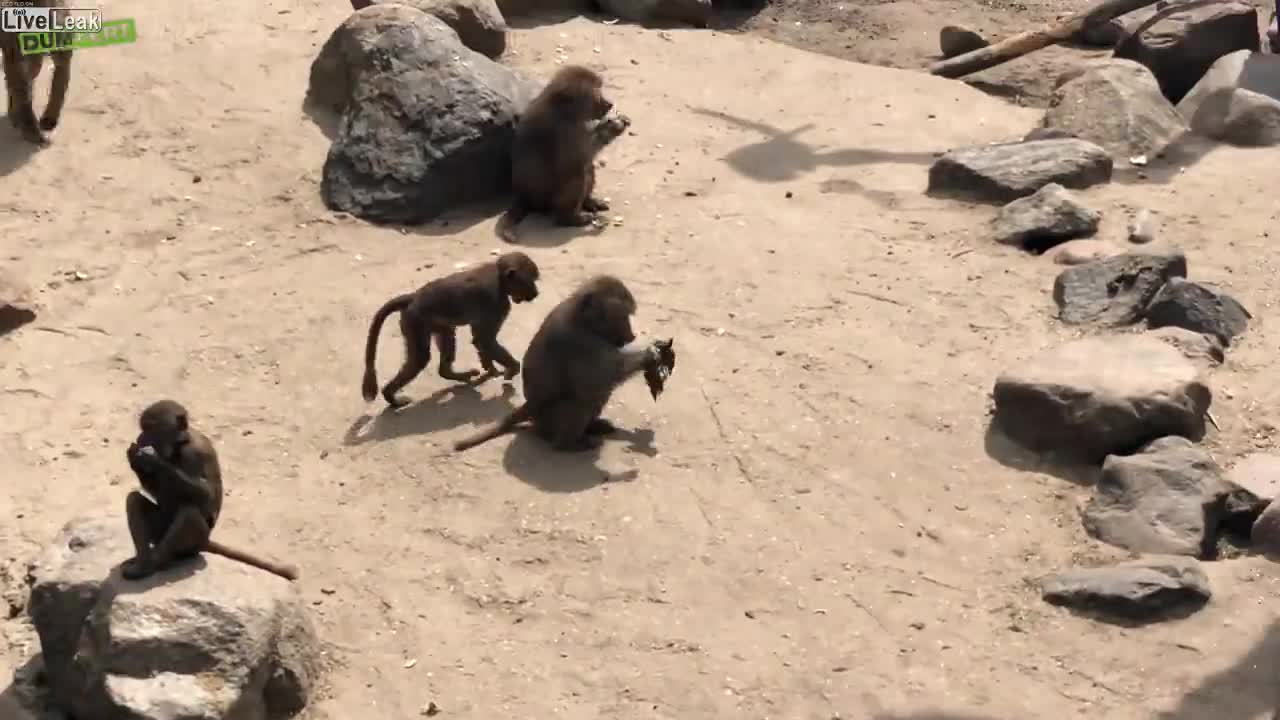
(14, 150)
(532, 21)
(115, 585)
(1247, 689)
(1004, 450)
(324, 117)
(1184, 152)
(1099, 615)
(782, 157)
(533, 462)
(443, 409)
(734, 14)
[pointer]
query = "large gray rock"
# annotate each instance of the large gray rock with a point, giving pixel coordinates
(1204, 350)
(17, 307)
(1237, 101)
(429, 123)
(210, 639)
(1096, 396)
(1180, 48)
(1116, 104)
(1141, 590)
(479, 23)
(1200, 308)
(1003, 173)
(1168, 498)
(1043, 219)
(1116, 290)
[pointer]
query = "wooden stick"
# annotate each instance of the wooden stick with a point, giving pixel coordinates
(1030, 41)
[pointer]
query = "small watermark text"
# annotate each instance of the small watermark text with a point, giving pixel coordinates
(31, 19)
(113, 32)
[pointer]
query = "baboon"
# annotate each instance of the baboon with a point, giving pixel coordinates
(573, 364)
(480, 297)
(553, 153)
(20, 73)
(178, 467)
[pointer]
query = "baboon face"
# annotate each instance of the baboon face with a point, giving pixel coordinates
(163, 426)
(519, 277)
(608, 315)
(579, 93)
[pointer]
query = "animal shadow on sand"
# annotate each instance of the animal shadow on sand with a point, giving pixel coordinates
(15, 151)
(443, 409)
(535, 230)
(782, 157)
(533, 462)
(1247, 689)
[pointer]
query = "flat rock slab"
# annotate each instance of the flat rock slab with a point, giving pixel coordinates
(1117, 290)
(1237, 101)
(1043, 219)
(1142, 590)
(209, 639)
(1169, 498)
(1118, 105)
(1204, 350)
(1003, 173)
(429, 123)
(1181, 47)
(1200, 308)
(1092, 397)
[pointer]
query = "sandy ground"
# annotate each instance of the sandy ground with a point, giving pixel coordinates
(807, 525)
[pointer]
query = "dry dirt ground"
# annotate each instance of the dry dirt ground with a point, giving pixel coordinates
(807, 525)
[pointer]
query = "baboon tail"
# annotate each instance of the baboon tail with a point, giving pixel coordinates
(288, 572)
(369, 388)
(506, 227)
(517, 416)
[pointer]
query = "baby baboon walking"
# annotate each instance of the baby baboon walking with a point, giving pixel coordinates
(20, 73)
(480, 297)
(554, 150)
(573, 364)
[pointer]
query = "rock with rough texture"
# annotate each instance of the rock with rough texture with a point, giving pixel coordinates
(1117, 290)
(1097, 396)
(1201, 308)
(479, 23)
(1079, 252)
(954, 40)
(1205, 350)
(1168, 498)
(430, 122)
(1180, 48)
(17, 307)
(209, 639)
(1117, 105)
(1237, 101)
(1264, 536)
(696, 13)
(1003, 173)
(1145, 589)
(1259, 473)
(1043, 219)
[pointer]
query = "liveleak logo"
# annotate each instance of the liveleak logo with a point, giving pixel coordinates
(27, 19)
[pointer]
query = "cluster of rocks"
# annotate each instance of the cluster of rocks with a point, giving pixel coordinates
(210, 638)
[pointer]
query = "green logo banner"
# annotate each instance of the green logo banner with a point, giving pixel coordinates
(113, 32)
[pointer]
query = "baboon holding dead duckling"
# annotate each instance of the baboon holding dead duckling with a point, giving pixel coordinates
(553, 153)
(574, 362)
(177, 466)
(20, 73)
(480, 297)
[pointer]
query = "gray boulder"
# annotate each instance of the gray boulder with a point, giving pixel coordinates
(1204, 350)
(479, 23)
(17, 306)
(429, 123)
(1237, 101)
(1116, 290)
(1140, 590)
(1116, 104)
(1097, 396)
(1005, 172)
(1181, 47)
(1043, 219)
(1200, 308)
(210, 639)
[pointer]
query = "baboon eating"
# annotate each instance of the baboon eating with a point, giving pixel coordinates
(553, 153)
(20, 73)
(573, 364)
(480, 297)
(178, 467)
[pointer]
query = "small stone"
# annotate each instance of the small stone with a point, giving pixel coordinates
(954, 40)
(1201, 308)
(1145, 589)
(1142, 228)
(1044, 219)
(1079, 252)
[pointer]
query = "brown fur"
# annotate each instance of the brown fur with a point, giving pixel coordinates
(573, 364)
(20, 73)
(479, 297)
(554, 150)
(178, 467)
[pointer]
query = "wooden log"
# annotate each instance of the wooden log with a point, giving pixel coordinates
(1030, 41)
